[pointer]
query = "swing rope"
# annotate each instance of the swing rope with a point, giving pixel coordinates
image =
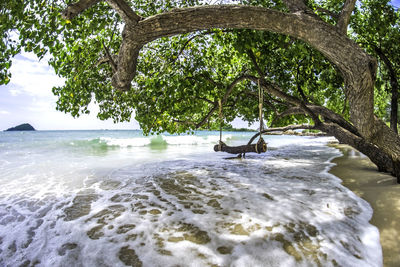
(260, 110)
(220, 124)
(260, 106)
(260, 115)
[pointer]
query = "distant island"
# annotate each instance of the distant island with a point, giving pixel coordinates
(22, 127)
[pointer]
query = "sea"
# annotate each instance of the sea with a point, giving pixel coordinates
(118, 198)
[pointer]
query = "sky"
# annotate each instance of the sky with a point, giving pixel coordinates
(28, 99)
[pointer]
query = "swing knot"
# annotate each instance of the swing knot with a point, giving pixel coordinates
(261, 146)
(219, 146)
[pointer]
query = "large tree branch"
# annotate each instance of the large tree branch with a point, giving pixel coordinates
(345, 14)
(180, 21)
(381, 160)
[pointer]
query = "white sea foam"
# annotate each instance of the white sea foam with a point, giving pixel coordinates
(180, 140)
(173, 207)
(126, 142)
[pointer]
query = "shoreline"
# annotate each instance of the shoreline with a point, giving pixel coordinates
(380, 190)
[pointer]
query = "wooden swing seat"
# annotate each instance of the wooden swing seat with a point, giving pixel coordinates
(259, 147)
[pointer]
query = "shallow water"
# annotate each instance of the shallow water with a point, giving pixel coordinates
(115, 198)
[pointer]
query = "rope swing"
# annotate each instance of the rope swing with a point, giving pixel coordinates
(260, 147)
(221, 117)
(260, 109)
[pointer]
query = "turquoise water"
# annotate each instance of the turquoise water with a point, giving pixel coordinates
(117, 198)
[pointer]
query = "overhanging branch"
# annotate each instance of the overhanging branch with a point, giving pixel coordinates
(192, 19)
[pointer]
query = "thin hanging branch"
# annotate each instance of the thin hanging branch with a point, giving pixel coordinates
(110, 59)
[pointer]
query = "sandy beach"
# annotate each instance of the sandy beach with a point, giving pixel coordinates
(360, 175)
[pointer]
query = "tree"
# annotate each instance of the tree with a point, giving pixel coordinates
(86, 47)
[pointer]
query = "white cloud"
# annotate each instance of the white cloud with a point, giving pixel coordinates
(33, 77)
(29, 99)
(15, 92)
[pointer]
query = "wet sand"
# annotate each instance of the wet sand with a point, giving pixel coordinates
(382, 192)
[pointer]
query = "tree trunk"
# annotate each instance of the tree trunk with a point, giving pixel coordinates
(376, 155)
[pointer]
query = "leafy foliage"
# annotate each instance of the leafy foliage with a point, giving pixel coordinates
(182, 78)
